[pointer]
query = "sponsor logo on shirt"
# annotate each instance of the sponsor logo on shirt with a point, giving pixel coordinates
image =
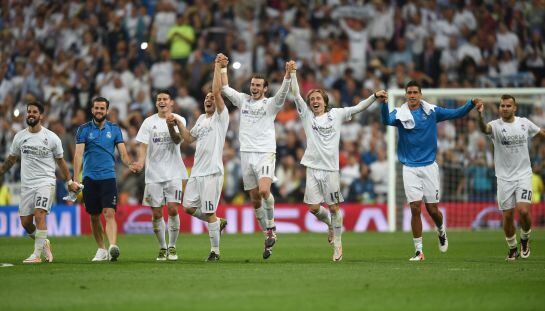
(161, 138)
(200, 131)
(512, 141)
(37, 151)
(323, 130)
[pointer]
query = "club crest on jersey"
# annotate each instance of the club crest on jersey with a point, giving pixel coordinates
(523, 127)
(109, 135)
(154, 127)
(45, 141)
(503, 130)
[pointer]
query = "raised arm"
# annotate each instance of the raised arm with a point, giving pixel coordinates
(171, 122)
(449, 114)
(299, 101)
(186, 135)
(234, 97)
(216, 89)
(388, 118)
(485, 128)
(280, 97)
(379, 96)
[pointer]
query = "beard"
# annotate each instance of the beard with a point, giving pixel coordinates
(98, 120)
(32, 122)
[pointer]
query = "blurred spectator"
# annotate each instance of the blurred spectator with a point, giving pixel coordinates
(64, 55)
(362, 188)
(5, 196)
(379, 175)
(181, 37)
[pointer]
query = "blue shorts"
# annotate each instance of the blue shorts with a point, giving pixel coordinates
(99, 194)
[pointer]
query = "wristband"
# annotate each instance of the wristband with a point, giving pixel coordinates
(223, 70)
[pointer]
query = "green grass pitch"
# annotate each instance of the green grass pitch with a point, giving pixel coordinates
(375, 274)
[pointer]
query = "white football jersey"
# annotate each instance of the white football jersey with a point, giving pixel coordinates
(210, 134)
(256, 131)
(164, 159)
(323, 135)
(511, 155)
(38, 152)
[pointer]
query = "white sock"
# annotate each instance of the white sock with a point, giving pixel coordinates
(269, 211)
(39, 242)
(418, 245)
(525, 235)
(442, 230)
(198, 214)
(32, 235)
(173, 230)
(323, 216)
(159, 230)
(260, 215)
(337, 222)
(512, 241)
(214, 233)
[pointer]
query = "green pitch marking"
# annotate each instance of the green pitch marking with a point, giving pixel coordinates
(375, 274)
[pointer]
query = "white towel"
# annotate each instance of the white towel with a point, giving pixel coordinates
(404, 115)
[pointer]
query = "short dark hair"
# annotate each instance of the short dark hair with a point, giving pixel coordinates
(163, 91)
(260, 76)
(39, 105)
(413, 83)
(508, 96)
(101, 100)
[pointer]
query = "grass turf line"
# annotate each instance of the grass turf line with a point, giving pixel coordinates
(375, 274)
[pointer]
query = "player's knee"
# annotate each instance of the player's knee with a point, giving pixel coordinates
(256, 203)
(157, 214)
(189, 210)
(172, 210)
(109, 213)
(314, 209)
(264, 193)
(415, 211)
(523, 212)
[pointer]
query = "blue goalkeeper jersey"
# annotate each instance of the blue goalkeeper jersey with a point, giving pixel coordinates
(418, 146)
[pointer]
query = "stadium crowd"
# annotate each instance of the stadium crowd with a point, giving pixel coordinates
(64, 53)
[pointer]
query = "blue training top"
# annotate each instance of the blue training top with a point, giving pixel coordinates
(99, 157)
(418, 146)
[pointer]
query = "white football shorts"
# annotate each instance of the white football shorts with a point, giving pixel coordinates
(32, 198)
(422, 183)
(158, 194)
(512, 192)
(257, 165)
(204, 192)
(323, 186)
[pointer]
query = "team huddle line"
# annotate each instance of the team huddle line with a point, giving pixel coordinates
(159, 156)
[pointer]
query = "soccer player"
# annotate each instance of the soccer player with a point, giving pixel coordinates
(96, 142)
(39, 149)
(203, 190)
(322, 127)
(258, 144)
(160, 153)
(510, 135)
(416, 122)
